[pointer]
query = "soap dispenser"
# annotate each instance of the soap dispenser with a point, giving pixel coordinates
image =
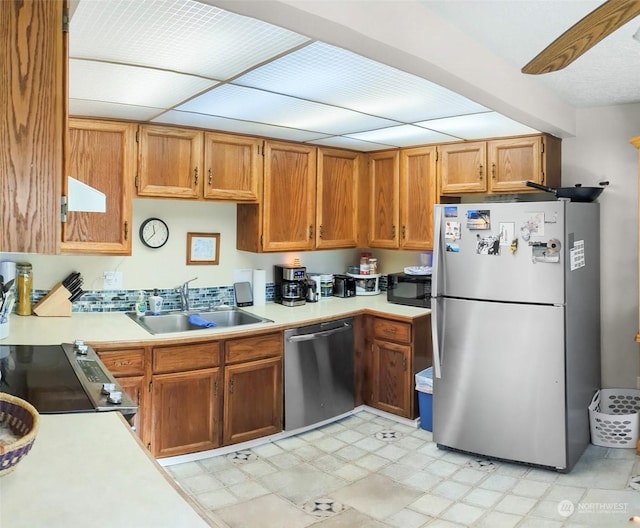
(141, 304)
(155, 303)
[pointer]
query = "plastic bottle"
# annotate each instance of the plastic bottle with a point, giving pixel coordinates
(141, 304)
(364, 264)
(24, 281)
(155, 303)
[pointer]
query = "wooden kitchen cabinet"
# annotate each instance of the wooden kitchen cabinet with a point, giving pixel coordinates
(397, 350)
(337, 199)
(285, 219)
(233, 166)
(192, 164)
(185, 399)
(127, 365)
(310, 201)
(253, 404)
(34, 58)
(102, 154)
(499, 165)
(463, 167)
(384, 199)
(417, 197)
(169, 162)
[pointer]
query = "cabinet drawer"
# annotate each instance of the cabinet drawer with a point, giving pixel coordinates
(186, 357)
(237, 350)
(392, 330)
(129, 362)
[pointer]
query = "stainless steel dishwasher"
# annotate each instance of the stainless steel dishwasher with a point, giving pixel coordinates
(318, 373)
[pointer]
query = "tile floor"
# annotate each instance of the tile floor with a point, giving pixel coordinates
(368, 471)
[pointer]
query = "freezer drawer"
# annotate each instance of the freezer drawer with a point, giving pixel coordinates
(501, 390)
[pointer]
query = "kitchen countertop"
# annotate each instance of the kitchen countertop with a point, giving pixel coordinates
(118, 327)
(90, 470)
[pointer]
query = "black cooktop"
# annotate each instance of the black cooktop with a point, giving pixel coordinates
(43, 376)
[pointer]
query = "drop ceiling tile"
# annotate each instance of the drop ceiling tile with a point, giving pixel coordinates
(131, 85)
(403, 136)
(248, 104)
(189, 119)
(324, 73)
(99, 109)
(179, 35)
(349, 143)
(478, 126)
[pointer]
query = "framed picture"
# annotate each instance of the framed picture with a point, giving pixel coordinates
(203, 248)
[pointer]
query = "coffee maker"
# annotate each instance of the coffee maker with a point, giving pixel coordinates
(290, 284)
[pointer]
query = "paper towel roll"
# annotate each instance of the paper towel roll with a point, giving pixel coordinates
(259, 287)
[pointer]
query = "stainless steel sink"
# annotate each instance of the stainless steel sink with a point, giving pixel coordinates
(169, 322)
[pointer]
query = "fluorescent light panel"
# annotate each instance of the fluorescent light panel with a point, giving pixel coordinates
(248, 104)
(189, 119)
(131, 85)
(180, 35)
(478, 126)
(331, 75)
(403, 136)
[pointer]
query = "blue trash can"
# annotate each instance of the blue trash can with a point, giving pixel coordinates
(424, 386)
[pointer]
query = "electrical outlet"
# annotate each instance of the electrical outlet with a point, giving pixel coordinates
(112, 280)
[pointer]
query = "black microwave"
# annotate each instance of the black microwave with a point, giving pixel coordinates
(413, 290)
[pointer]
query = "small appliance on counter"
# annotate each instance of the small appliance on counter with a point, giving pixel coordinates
(313, 290)
(411, 290)
(344, 286)
(290, 285)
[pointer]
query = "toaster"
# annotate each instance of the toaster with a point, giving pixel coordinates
(344, 286)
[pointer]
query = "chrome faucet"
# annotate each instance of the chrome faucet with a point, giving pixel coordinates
(184, 294)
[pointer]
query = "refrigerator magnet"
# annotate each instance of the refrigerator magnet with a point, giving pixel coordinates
(451, 230)
(478, 219)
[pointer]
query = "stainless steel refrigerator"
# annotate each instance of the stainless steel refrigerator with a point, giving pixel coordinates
(516, 329)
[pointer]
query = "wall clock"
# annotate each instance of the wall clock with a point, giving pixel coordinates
(154, 233)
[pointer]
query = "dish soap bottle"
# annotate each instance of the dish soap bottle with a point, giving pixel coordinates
(155, 303)
(141, 304)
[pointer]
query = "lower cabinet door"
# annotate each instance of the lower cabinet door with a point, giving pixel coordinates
(185, 416)
(391, 378)
(252, 400)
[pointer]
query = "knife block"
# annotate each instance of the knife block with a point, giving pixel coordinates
(56, 303)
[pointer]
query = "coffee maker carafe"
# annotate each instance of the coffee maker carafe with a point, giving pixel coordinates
(290, 284)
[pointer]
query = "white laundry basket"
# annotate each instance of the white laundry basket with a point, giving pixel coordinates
(614, 418)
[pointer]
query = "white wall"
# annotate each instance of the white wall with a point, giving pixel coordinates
(601, 151)
(166, 267)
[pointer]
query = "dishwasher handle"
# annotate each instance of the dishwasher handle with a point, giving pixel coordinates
(316, 335)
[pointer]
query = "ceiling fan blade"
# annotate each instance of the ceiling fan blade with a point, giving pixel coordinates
(583, 36)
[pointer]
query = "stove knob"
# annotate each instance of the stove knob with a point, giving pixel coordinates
(108, 388)
(80, 348)
(115, 397)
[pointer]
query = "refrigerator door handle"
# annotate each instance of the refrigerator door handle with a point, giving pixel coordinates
(437, 240)
(435, 334)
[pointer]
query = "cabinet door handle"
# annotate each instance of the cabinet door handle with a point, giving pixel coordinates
(321, 233)
(404, 232)
(310, 232)
(493, 171)
(404, 363)
(210, 178)
(231, 387)
(480, 172)
(195, 176)
(126, 230)
(215, 389)
(393, 231)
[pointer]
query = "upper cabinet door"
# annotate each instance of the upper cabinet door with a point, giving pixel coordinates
(170, 162)
(417, 196)
(289, 197)
(514, 161)
(463, 167)
(337, 199)
(33, 56)
(101, 155)
(384, 179)
(233, 167)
